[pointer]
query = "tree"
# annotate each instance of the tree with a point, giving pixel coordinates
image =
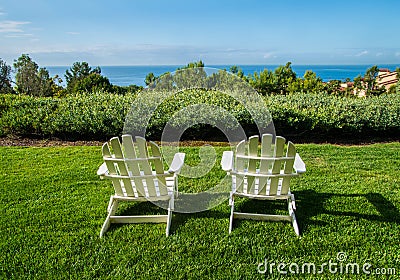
(284, 76)
(334, 87)
(358, 83)
(26, 78)
(312, 83)
(263, 82)
(45, 82)
(282, 81)
(92, 83)
(296, 86)
(5, 77)
(191, 76)
(398, 87)
(398, 80)
(83, 78)
(370, 84)
(122, 90)
(79, 70)
(237, 71)
(56, 87)
(234, 69)
(228, 82)
(195, 64)
(392, 89)
(150, 78)
(164, 82)
(32, 80)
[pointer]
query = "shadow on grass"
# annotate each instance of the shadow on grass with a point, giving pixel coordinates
(312, 204)
(180, 219)
(185, 206)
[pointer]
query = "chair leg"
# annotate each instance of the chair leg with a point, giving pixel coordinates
(295, 226)
(176, 191)
(112, 208)
(230, 198)
(232, 202)
(105, 226)
(293, 216)
(169, 218)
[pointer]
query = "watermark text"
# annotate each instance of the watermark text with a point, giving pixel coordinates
(340, 265)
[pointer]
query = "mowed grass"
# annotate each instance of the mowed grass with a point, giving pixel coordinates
(53, 206)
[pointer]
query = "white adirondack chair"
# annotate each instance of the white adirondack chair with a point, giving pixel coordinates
(138, 176)
(264, 176)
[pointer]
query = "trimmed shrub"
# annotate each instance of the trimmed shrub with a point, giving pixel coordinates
(84, 116)
(328, 114)
(101, 115)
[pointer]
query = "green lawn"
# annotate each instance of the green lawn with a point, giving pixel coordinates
(53, 206)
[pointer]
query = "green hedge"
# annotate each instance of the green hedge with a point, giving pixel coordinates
(201, 110)
(86, 116)
(101, 115)
(333, 115)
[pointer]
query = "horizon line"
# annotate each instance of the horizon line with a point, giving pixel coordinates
(229, 64)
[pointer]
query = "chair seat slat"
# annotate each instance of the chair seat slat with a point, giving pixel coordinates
(149, 159)
(267, 175)
(265, 158)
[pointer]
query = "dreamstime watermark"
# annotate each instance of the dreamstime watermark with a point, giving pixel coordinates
(338, 266)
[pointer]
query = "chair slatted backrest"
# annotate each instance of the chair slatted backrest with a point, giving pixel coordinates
(130, 167)
(241, 164)
(133, 166)
(265, 164)
(116, 168)
(267, 172)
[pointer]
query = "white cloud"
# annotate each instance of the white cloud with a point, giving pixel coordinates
(362, 53)
(19, 35)
(269, 55)
(397, 54)
(9, 26)
(73, 33)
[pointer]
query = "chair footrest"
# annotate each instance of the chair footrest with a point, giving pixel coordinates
(142, 198)
(138, 219)
(263, 197)
(261, 217)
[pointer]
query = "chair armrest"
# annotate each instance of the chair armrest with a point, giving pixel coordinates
(227, 161)
(177, 163)
(102, 170)
(299, 164)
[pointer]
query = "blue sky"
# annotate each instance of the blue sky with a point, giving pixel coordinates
(156, 32)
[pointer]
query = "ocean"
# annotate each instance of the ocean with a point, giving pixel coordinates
(128, 75)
